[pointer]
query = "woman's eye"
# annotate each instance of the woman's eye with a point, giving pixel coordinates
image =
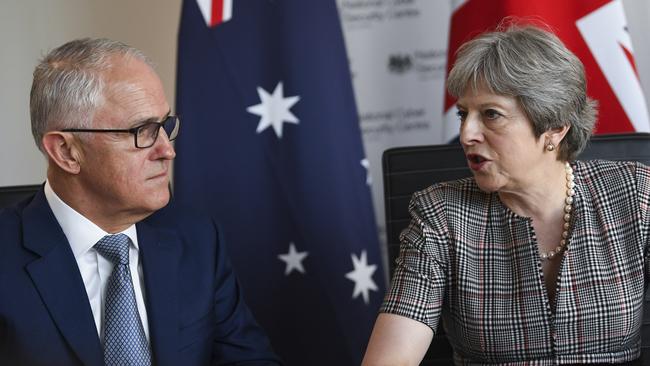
(461, 115)
(491, 114)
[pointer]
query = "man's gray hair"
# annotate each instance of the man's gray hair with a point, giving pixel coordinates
(69, 84)
(534, 66)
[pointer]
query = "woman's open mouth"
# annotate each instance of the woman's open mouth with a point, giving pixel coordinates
(476, 162)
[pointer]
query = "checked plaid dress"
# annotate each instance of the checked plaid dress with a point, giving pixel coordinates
(468, 259)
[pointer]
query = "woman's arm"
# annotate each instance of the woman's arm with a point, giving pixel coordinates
(397, 340)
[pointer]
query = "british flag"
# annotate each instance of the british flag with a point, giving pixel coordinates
(595, 30)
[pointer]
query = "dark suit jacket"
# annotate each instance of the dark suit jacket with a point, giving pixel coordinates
(194, 305)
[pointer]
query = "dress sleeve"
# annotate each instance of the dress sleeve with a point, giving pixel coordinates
(643, 186)
(418, 284)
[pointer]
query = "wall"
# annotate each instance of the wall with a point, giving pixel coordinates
(638, 13)
(30, 28)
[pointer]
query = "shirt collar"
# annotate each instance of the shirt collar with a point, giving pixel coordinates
(82, 233)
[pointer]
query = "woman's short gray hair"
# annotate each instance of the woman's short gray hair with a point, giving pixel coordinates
(68, 84)
(534, 66)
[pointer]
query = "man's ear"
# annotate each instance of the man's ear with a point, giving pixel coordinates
(64, 150)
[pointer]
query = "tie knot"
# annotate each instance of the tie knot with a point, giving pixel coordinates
(115, 248)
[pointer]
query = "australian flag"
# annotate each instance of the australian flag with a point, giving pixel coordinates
(270, 144)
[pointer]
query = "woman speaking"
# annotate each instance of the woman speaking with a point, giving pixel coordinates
(537, 258)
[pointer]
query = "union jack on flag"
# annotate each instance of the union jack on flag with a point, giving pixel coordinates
(215, 12)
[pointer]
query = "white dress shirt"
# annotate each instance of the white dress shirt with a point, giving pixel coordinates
(95, 270)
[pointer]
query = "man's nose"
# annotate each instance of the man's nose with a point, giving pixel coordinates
(164, 147)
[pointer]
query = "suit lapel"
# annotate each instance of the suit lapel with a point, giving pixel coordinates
(161, 251)
(56, 277)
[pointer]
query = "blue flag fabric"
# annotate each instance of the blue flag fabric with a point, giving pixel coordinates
(270, 144)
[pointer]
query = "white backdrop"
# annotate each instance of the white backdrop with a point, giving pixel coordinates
(397, 51)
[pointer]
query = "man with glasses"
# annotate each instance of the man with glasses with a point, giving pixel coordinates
(94, 269)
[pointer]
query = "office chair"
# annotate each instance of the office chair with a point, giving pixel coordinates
(409, 169)
(14, 194)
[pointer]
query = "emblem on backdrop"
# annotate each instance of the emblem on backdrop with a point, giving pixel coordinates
(400, 63)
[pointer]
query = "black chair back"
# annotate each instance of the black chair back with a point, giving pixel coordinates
(409, 169)
(14, 194)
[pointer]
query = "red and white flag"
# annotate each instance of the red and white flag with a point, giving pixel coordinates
(595, 30)
(215, 12)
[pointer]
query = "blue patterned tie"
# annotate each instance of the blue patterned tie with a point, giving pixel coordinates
(124, 339)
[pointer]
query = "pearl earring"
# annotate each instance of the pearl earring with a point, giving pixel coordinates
(550, 147)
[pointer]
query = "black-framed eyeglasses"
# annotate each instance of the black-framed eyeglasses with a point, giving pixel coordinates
(144, 135)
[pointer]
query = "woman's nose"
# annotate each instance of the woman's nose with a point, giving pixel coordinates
(470, 130)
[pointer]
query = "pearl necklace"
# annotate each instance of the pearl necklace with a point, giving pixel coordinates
(567, 214)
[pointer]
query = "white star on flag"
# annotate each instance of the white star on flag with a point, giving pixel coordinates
(362, 276)
(293, 259)
(366, 164)
(274, 109)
